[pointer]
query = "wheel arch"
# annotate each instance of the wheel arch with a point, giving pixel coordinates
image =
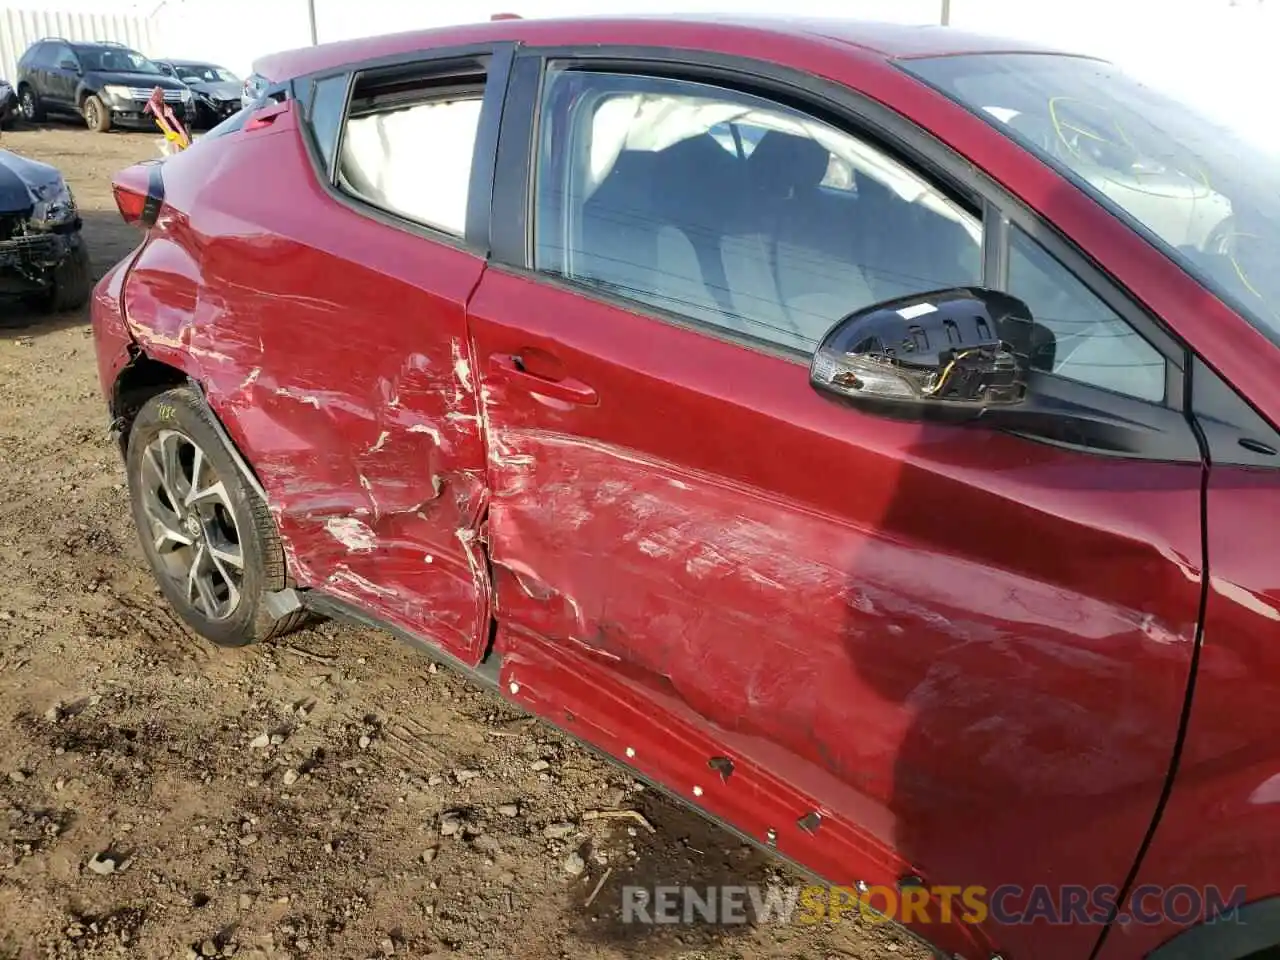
(137, 382)
(1251, 928)
(144, 377)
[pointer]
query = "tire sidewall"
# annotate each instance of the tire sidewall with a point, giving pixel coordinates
(100, 120)
(181, 411)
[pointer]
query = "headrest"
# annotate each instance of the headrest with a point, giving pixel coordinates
(782, 163)
(695, 176)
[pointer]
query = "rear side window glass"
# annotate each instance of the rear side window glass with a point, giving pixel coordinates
(408, 141)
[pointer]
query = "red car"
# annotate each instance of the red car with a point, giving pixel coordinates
(865, 433)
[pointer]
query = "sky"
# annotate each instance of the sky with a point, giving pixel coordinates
(1213, 54)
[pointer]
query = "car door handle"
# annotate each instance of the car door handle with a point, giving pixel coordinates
(511, 368)
(266, 115)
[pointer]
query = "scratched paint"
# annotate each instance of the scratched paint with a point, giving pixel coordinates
(347, 387)
(1221, 824)
(785, 629)
(351, 533)
(462, 365)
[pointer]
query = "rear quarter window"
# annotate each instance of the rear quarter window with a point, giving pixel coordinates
(407, 142)
(325, 105)
(34, 56)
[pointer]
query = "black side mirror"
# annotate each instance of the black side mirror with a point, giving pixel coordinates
(68, 64)
(945, 355)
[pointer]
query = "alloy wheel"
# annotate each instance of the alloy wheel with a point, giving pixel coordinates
(28, 106)
(192, 524)
(91, 115)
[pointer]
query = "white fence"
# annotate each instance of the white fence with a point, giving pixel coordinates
(20, 28)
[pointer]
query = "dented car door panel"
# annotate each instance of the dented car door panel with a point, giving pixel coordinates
(1222, 819)
(340, 377)
(962, 646)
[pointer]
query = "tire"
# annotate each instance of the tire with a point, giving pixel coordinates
(32, 108)
(173, 437)
(96, 115)
(72, 280)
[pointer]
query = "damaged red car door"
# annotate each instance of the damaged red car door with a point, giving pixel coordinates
(343, 364)
(892, 650)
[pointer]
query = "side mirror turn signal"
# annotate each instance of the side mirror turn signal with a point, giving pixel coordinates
(949, 355)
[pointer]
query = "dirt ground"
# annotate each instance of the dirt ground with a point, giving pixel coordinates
(329, 795)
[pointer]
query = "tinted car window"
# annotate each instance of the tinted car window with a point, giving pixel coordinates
(115, 60)
(37, 55)
(56, 53)
(735, 211)
(410, 154)
(203, 73)
(1093, 344)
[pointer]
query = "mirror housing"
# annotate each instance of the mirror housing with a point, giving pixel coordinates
(66, 63)
(945, 355)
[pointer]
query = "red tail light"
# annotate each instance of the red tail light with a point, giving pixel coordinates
(130, 202)
(139, 193)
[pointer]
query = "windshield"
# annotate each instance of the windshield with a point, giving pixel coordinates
(202, 73)
(115, 60)
(1210, 199)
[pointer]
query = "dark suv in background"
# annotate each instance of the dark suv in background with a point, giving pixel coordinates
(104, 83)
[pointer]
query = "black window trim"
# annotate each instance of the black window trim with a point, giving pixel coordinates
(495, 61)
(328, 170)
(861, 116)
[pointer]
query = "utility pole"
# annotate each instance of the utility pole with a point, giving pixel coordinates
(946, 13)
(311, 15)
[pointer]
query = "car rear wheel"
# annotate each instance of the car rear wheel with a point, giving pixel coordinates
(32, 111)
(210, 539)
(96, 115)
